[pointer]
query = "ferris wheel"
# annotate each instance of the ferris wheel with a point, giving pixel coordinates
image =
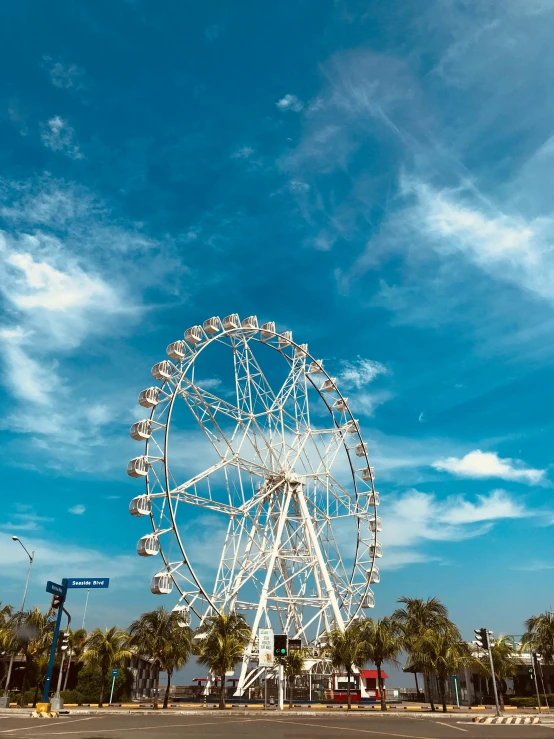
(256, 471)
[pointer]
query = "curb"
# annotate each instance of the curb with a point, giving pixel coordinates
(506, 720)
(339, 711)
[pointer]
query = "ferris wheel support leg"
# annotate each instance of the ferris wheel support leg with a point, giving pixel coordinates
(317, 551)
(265, 589)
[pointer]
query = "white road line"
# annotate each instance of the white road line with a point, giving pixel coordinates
(143, 728)
(449, 726)
(346, 728)
(44, 724)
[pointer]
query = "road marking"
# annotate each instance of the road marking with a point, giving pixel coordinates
(449, 725)
(347, 728)
(140, 728)
(44, 725)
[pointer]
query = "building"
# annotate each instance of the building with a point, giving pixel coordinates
(144, 677)
(470, 688)
(362, 686)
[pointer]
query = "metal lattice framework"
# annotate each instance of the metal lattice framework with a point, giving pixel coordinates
(290, 484)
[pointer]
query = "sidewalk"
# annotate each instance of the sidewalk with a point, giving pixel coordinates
(198, 709)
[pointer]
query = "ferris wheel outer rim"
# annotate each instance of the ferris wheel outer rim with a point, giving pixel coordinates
(191, 360)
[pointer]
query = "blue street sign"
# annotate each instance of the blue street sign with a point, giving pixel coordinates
(115, 673)
(88, 582)
(50, 667)
(54, 588)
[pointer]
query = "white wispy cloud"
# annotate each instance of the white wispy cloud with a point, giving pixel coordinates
(244, 152)
(26, 521)
(534, 565)
(478, 464)
(58, 135)
(66, 281)
(290, 102)
(53, 556)
(355, 376)
(361, 372)
(77, 510)
(506, 246)
(65, 76)
(415, 518)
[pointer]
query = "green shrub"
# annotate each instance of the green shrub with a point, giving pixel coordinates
(89, 684)
(72, 696)
(26, 697)
(530, 701)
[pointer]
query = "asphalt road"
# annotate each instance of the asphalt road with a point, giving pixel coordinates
(261, 727)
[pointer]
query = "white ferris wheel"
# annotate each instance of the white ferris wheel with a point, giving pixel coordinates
(251, 448)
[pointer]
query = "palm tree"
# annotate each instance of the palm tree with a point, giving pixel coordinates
(106, 650)
(6, 632)
(77, 641)
(223, 639)
(415, 618)
(539, 636)
(506, 663)
(344, 648)
(33, 631)
(381, 642)
(293, 665)
(441, 653)
(158, 636)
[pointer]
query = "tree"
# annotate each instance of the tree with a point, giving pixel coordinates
(414, 619)
(539, 636)
(106, 650)
(158, 636)
(223, 640)
(6, 632)
(33, 631)
(89, 684)
(381, 642)
(344, 648)
(441, 653)
(293, 665)
(506, 663)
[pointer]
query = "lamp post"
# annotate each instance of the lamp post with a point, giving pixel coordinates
(31, 560)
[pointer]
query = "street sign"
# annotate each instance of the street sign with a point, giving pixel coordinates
(265, 647)
(115, 673)
(54, 588)
(88, 582)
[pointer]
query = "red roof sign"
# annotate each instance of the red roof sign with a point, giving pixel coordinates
(373, 673)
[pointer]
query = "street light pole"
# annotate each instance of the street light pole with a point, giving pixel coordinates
(497, 705)
(31, 560)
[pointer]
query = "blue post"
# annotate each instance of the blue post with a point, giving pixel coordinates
(53, 648)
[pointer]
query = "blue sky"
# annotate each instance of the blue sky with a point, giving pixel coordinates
(376, 177)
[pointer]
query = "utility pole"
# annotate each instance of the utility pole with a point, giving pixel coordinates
(483, 640)
(535, 664)
(539, 665)
(281, 679)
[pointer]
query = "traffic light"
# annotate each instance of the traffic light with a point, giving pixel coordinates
(295, 645)
(280, 645)
(531, 673)
(482, 637)
(57, 601)
(64, 641)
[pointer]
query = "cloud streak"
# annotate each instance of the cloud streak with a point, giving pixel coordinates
(59, 136)
(416, 518)
(478, 464)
